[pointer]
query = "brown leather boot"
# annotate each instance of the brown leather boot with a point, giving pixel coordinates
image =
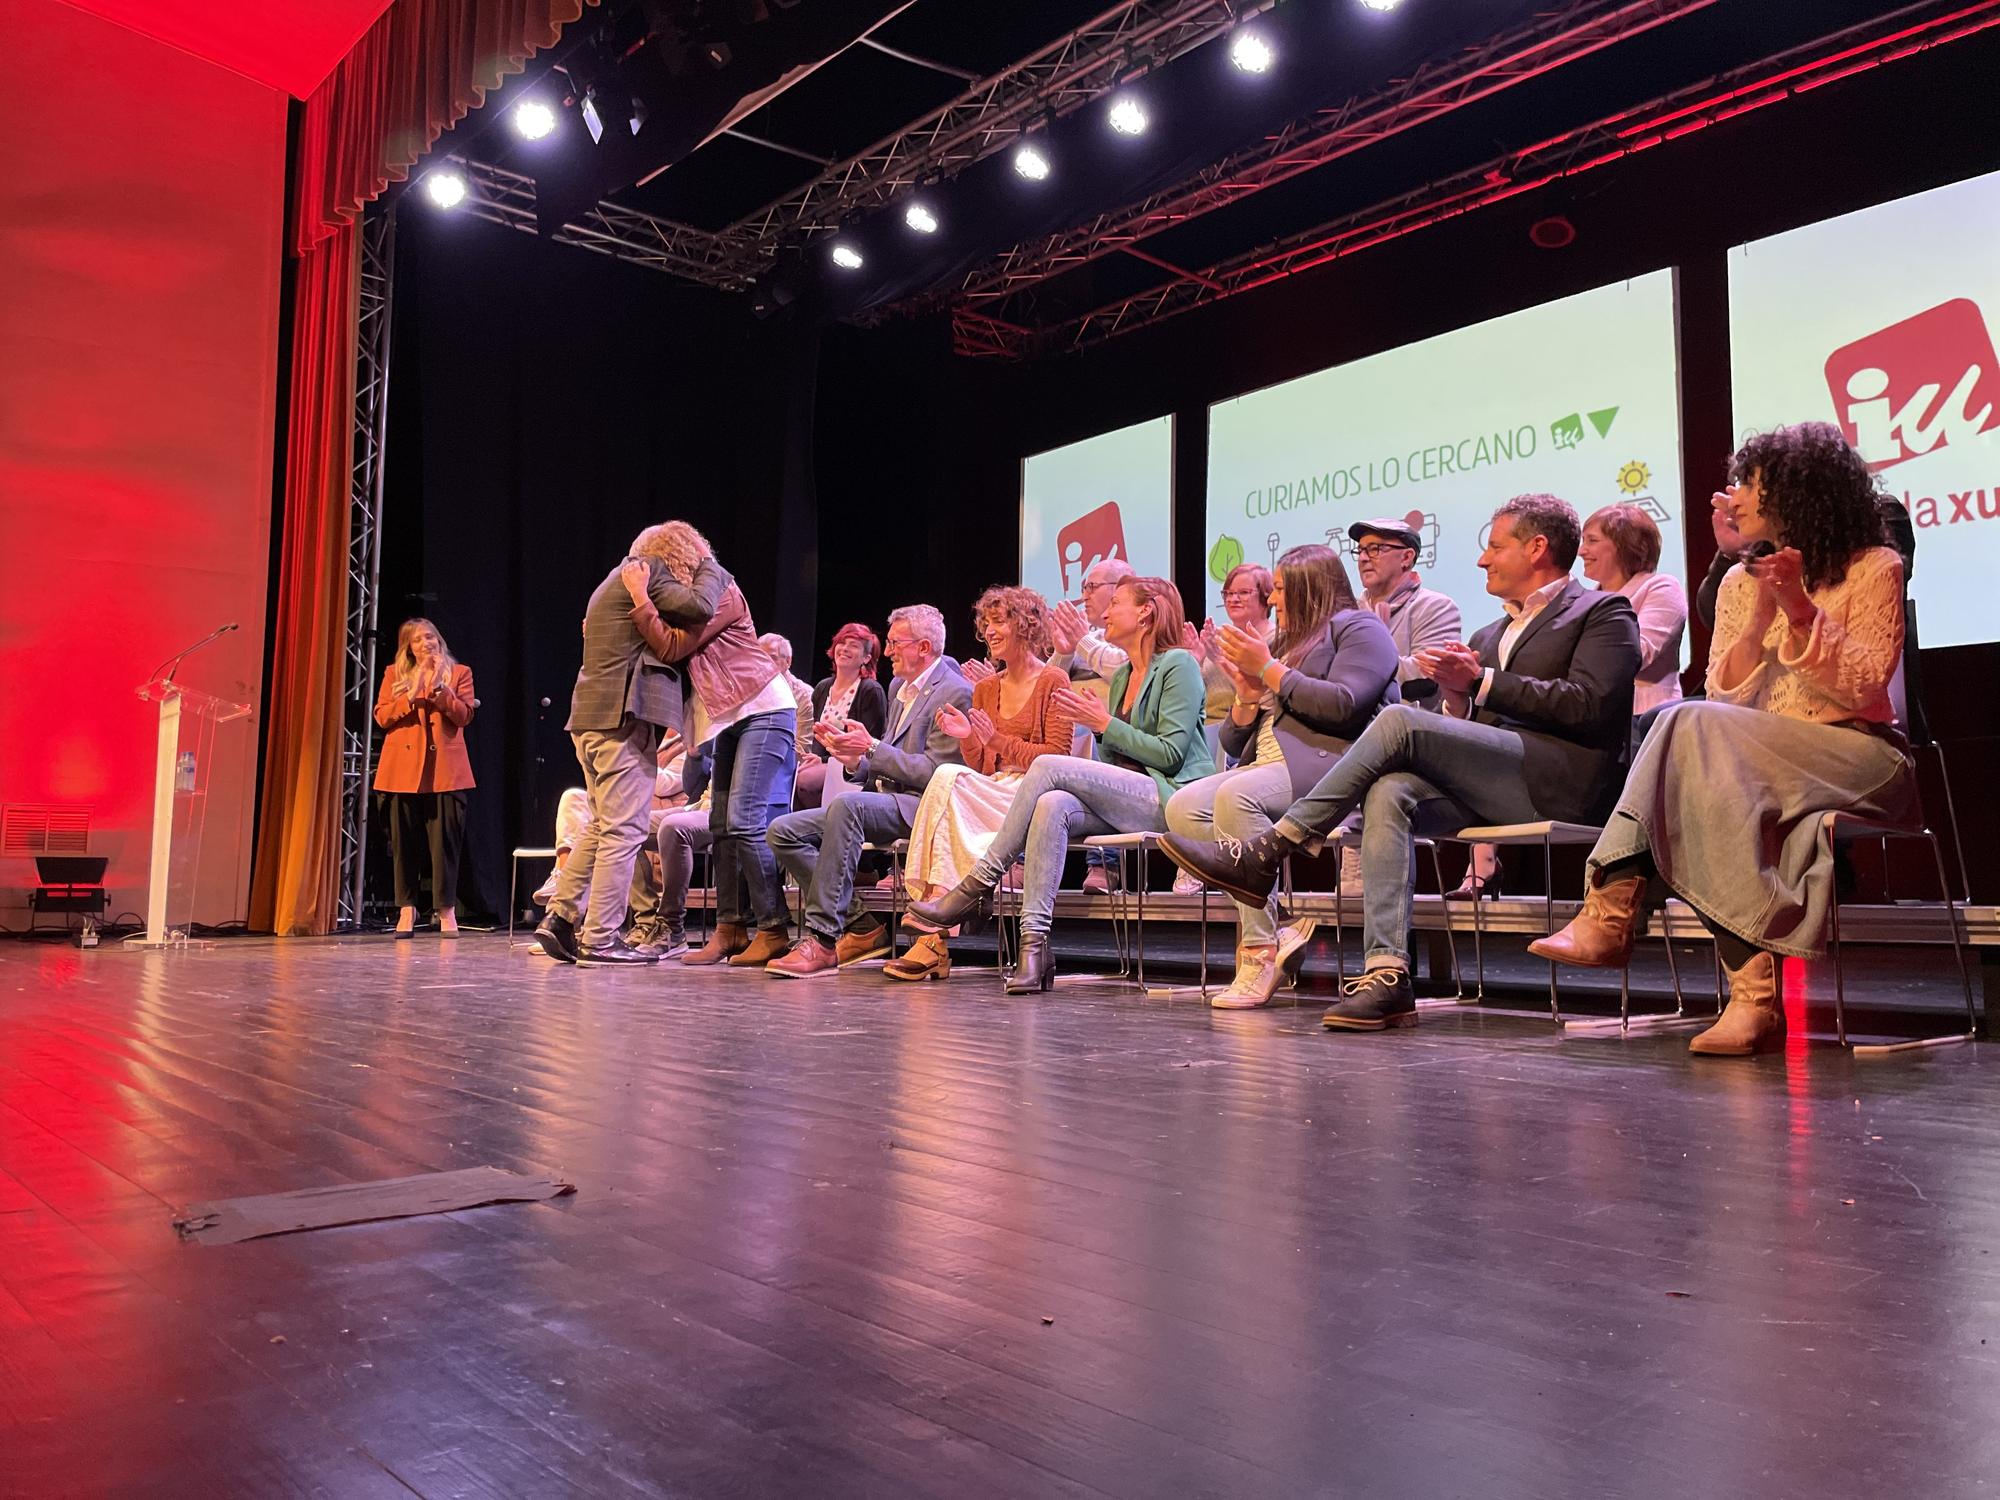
(1601, 935)
(1754, 1019)
(769, 943)
(727, 939)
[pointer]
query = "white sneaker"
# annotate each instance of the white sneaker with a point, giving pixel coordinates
(1350, 872)
(1186, 885)
(1255, 982)
(1293, 940)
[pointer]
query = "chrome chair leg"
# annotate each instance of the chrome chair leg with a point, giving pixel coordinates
(1549, 924)
(1139, 932)
(1450, 928)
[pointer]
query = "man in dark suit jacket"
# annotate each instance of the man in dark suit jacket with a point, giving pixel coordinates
(624, 698)
(821, 847)
(1537, 717)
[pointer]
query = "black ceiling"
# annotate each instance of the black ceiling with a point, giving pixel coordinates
(1328, 51)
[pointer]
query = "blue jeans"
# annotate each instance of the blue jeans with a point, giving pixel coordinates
(751, 783)
(821, 847)
(1239, 803)
(1411, 772)
(1060, 799)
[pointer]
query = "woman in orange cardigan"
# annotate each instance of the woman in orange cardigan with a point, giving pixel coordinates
(423, 774)
(1013, 720)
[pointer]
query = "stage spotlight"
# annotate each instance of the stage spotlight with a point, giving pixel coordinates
(920, 219)
(1251, 52)
(1127, 116)
(534, 119)
(447, 189)
(1030, 163)
(846, 256)
(1381, 4)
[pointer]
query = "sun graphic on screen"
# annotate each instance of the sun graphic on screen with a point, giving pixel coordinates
(1634, 477)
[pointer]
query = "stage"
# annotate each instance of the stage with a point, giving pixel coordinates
(848, 1237)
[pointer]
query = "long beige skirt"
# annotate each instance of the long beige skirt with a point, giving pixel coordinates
(961, 811)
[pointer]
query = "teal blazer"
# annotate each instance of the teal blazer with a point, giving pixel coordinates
(1165, 736)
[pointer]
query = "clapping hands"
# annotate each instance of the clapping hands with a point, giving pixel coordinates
(1067, 625)
(846, 740)
(1454, 667)
(1087, 709)
(1780, 576)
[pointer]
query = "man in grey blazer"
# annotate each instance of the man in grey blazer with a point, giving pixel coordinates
(624, 698)
(821, 847)
(1385, 557)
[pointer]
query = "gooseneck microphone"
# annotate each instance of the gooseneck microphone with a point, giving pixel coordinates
(173, 663)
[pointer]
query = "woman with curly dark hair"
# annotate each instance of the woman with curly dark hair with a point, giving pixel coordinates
(1014, 720)
(1724, 801)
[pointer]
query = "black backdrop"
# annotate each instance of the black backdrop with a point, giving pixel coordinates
(547, 403)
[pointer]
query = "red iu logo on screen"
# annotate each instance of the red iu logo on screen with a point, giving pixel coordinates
(1917, 385)
(1088, 541)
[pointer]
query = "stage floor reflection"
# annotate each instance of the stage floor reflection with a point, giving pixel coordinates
(851, 1237)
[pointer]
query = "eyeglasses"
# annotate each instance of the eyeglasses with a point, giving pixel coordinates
(1376, 549)
(1238, 596)
(1092, 588)
(899, 643)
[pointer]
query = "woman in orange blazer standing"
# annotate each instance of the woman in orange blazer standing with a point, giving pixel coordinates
(425, 703)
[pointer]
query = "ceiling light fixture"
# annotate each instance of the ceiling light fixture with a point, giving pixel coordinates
(446, 189)
(1251, 53)
(1127, 116)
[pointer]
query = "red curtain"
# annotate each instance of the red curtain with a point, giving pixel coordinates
(421, 67)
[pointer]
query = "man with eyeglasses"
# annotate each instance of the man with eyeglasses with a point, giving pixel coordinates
(821, 847)
(1385, 555)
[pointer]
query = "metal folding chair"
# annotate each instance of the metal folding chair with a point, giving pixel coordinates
(1842, 827)
(514, 883)
(1548, 834)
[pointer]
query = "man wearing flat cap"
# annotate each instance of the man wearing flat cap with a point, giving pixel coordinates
(1385, 555)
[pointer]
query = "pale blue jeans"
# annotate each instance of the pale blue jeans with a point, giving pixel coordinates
(1063, 798)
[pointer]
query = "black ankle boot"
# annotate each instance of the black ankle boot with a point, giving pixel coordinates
(966, 899)
(1245, 871)
(1035, 971)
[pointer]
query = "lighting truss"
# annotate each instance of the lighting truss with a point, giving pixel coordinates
(1060, 78)
(1441, 84)
(503, 197)
(1081, 65)
(1872, 44)
(364, 549)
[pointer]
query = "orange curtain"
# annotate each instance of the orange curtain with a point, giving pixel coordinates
(422, 66)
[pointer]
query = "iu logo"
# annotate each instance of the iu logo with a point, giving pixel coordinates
(1917, 385)
(1087, 541)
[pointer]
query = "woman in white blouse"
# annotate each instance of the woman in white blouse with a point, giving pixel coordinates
(1620, 550)
(1724, 802)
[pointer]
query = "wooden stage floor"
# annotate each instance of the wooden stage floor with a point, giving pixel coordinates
(853, 1238)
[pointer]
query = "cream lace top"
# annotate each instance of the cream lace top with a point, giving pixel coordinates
(1841, 671)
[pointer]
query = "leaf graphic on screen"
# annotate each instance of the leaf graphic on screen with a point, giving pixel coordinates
(1224, 555)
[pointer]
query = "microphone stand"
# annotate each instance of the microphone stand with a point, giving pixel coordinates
(173, 663)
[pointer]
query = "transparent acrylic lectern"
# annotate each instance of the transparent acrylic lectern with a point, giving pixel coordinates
(192, 739)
